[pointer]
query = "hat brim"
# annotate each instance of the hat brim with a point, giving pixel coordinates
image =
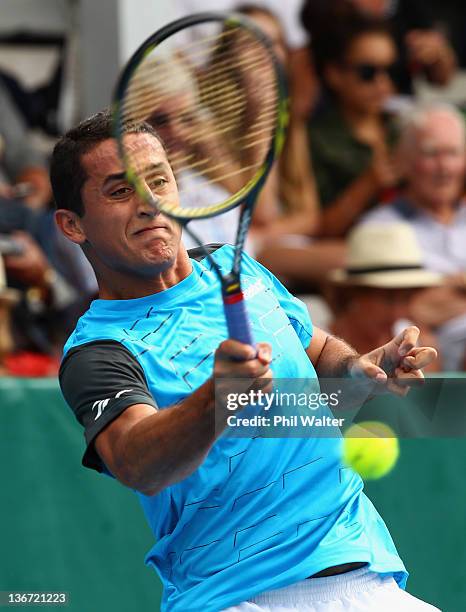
(405, 279)
(9, 296)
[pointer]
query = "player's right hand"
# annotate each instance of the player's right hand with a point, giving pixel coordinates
(235, 360)
(241, 368)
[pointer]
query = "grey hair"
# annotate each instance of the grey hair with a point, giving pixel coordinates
(416, 117)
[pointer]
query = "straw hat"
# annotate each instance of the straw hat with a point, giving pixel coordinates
(386, 256)
(7, 295)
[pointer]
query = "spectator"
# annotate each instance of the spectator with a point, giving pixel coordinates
(351, 139)
(23, 169)
(432, 153)
(288, 213)
(423, 49)
(178, 118)
(44, 275)
(40, 322)
(288, 202)
(301, 72)
(25, 194)
(371, 297)
(450, 17)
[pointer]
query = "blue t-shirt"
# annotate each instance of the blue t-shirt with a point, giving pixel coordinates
(259, 513)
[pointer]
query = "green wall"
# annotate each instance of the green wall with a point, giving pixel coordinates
(64, 528)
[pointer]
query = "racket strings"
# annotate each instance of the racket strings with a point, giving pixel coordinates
(214, 103)
(142, 88)
(158, 62)
(212, 87)
(201, 42)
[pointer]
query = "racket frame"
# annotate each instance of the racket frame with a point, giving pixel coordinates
(235, 310)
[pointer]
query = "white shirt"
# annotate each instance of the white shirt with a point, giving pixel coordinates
(443, 246)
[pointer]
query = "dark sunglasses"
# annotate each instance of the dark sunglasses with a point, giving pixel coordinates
(368, 72)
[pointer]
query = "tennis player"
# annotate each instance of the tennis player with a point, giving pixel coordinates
(239, 523)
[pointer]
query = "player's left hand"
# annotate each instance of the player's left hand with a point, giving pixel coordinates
(396, 364)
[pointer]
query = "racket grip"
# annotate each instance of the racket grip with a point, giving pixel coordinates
(238, 323)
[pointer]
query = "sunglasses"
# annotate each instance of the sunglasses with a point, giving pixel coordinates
(368, 72)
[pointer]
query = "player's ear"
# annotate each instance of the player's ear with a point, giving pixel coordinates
(70, 225)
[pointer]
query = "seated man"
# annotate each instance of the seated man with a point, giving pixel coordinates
(383, 275)
(432, 156)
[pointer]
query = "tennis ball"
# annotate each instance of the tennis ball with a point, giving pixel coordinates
(371, 449)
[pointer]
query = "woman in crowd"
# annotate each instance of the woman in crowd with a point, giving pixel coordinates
(351, 138)
(287, 213)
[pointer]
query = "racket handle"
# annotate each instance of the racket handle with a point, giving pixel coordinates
(238, 323)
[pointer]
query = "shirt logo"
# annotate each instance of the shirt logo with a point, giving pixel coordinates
(102, 404)
(120, 393)
(253, 289)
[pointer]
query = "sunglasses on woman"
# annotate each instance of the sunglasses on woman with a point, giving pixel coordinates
(368, 72)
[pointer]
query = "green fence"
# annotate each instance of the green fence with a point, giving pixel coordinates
(64, 528)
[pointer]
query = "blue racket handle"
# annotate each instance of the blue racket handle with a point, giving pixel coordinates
(238, 323)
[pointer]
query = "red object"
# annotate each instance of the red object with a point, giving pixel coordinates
(388, 195)
(29, 364)
(234, 298)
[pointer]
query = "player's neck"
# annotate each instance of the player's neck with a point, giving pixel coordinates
(117, 285)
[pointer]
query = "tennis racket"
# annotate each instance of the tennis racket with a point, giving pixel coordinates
(213, 90)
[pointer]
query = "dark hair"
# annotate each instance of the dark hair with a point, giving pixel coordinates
(333, 27)
(66, 172)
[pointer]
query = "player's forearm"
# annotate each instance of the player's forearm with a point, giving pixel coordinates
(335, 358)
(169, 445)
(335, 362)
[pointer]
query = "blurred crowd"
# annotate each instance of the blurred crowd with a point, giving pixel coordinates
(364, 211)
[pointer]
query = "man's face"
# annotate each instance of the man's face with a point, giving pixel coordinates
(385, 305)
(122, 229)
(435, 161)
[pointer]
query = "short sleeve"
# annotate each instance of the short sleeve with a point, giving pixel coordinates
(295, 309)
(99, 381)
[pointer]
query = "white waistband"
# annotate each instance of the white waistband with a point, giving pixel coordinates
(320, 589)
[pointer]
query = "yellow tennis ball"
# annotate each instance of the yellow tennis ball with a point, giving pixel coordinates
(371, 449)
